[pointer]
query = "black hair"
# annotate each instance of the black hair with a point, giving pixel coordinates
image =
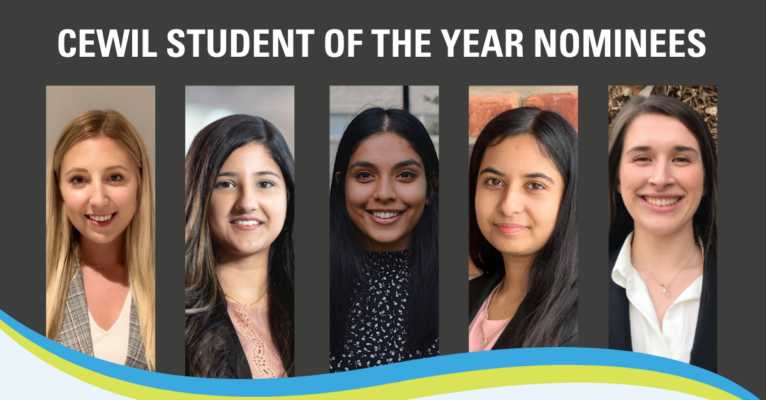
(209, 330)
(552, 298)
(347, 258)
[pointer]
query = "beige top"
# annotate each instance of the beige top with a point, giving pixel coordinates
(252, 326)
(112, 344)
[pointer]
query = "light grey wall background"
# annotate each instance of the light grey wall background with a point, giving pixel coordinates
(136, 103)
(205, 104)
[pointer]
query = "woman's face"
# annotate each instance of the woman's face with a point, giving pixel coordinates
(386, 191)
(249, 202)
(99, 186)
(518, 195)
(661, 177)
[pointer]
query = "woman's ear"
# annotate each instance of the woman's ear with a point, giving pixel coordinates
(337, 177)
(617, 187)
(431, 189)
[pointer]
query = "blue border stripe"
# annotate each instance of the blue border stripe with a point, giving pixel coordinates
(423, 368)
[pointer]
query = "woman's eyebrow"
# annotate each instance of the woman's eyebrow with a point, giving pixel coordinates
(259, 173)
(363, 164)
(647, 148)
(407, 163)
(490, 170)
(639, 148)
(538, 175)
(83, 170)
(686, 148)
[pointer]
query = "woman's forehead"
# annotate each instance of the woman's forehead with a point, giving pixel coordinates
(659, 132)
(385, 150)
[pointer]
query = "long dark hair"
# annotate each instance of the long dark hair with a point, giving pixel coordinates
(552, 298)
(209, 330)
(347, 258)
(705, 219)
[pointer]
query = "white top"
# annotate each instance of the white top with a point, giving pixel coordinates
(676, 338)
(112, 345)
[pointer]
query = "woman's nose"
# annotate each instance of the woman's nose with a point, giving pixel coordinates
(248, 199)
(99, 196)
(384, 191)
(661, 175)
(511, 203)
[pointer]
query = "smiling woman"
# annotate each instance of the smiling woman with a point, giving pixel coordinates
(384, 243)
(100, 241)
(239, 251)
(662, 232)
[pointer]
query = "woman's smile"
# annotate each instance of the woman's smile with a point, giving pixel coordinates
(100, 220)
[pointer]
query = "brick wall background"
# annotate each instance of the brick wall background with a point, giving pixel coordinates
(486, 102)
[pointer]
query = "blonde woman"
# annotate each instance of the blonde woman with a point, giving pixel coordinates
(100, 241)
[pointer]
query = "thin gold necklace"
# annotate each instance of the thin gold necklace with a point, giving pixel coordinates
(247, 305)
(484, 337)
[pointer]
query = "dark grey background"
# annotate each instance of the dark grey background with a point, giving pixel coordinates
(31, 61)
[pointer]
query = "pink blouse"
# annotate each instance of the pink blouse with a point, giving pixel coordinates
(252, 326)
(481, 327)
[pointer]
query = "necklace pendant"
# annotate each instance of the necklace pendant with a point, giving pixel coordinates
(485, 339)
(666, 291)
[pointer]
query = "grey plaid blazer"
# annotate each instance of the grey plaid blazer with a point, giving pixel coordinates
(75, 330)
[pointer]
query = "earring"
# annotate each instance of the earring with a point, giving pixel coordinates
(428, 202)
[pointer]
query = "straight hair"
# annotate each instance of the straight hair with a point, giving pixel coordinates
(61, 246)
(552, 297)
(347, 257)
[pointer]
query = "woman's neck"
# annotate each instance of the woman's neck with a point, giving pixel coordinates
(103, 255)
(657, 253)
(517, 274)
(244, 278)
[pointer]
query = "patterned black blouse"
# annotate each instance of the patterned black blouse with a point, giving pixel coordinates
(377, 330)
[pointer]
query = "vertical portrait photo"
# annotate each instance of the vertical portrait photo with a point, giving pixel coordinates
(663, 163)
(240, 202)
(522, 216)
(384, 225)
(100, 287)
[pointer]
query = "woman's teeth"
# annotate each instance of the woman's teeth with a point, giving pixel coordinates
(665, 201)
(247, 223)
(386, 214)
(101, 218)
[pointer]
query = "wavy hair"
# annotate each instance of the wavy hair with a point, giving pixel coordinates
(62, 238)
(209, 330)
(347, 258)
(552, 297)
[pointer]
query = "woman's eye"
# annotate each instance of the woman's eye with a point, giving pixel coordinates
(641, 159)
(363, 175)
(224, 185)
(77, 180)
(264, 185)
(535, 186)
(407, 175)
(681, 159)
(116, 177)
(493, 182)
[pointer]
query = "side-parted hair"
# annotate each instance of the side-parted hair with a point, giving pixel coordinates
(347, 258)
(209, 331)
(552, 297)
(62, 238)
(705, 219)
